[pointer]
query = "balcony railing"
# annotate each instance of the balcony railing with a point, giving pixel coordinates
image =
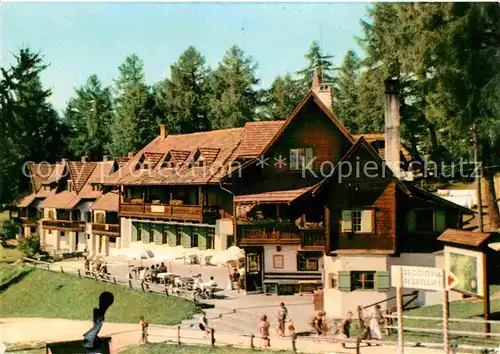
(273, 232)
(106, 229)
(63, 225)
(29, 221)
(166, 211)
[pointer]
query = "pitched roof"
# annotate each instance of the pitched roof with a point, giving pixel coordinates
(57, 173)
(379, 139)
(257, 135)
(108, 201)
(281, 196)
(80, 173)
(39, 173)
(25, 201)
(462, 237)
(423, 194)
(59, 200)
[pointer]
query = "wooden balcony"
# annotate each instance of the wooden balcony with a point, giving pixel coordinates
(106, 229)
(165, 211)
(281, 233)
(63, 225)
(28, 221)
(363, 242)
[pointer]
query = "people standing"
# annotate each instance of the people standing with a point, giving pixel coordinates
(264, 331)
(281, 316)
(345, 327)
(144, 330)
(376, 319)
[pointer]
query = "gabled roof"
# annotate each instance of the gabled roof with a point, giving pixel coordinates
(280, 196)
(257, 135)
(25, 201)
(108, 201)
(80, 172)
(59, 171)
(39, 173)
(379, 139)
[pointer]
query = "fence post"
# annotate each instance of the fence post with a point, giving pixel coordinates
(251, 342)
(212, 337)
(130, 283)
(179, 335)
(142, 286)
(294, 344)
(95, 276)
(62, 270)
(358, 344)
(114, 280)
(79, 274)
(166, 291)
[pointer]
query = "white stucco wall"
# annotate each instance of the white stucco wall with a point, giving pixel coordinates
(289, 253)
(223, 228)
(337, 302)
(125, 232)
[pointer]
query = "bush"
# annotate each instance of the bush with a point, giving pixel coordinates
(8, 230)
(30, 246)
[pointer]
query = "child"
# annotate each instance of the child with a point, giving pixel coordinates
(264, 331)
(345, 327)
(290, 327)
(144, 330)
(203, 324)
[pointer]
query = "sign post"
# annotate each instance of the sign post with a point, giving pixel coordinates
(446, 315)
(399, 290)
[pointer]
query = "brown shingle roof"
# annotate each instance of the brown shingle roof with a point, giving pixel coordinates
(59, 200)
(80, 173)
(257, 135)
(58, 171)
(108, 201)
(40, 172)
(379, 140)
(285, 196)
(25, 201)
(462, 237)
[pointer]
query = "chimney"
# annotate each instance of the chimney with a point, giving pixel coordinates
(83, 158)
(392, 126)
(105, 158)
(131, 154)
(163, 131)
(324, 91)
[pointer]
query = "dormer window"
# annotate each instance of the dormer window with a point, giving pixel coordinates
(169, 162)
(70, 185)
(46, 188)
(96, 187)
(198, 160)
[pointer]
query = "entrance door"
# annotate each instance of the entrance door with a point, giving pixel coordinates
(253, 269)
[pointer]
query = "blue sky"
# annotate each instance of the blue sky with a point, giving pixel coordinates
(80, 39)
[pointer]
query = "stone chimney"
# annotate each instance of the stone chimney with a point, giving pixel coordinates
(324, 91)
(392, 126)
(131, 154)
(105, 158)
(83, 158)
(163, 131)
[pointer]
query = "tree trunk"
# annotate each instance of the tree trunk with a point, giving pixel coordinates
(488, 181)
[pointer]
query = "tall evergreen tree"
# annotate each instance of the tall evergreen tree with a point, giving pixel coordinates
(347, 100)
(319, 63)
(233, 98)
(135, 121)
(281, 98)
(30, 128)
(183, 98)
(89, 115)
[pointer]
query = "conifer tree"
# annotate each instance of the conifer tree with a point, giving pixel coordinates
(281, 98)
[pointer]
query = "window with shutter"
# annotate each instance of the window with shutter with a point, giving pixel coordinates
(382, 281)
(346, 221)
(309, 156)
(440, 221)
(344, 280)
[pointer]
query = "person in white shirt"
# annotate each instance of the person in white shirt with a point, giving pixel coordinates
(211, 283)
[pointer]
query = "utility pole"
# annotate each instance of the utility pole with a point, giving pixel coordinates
(478, 178)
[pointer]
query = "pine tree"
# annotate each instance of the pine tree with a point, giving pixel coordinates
(135, 122)
(89, 116)
(317, 63)
(233, 98)
(30, 128)
(183, 98)
(347, 100)
(281, 98)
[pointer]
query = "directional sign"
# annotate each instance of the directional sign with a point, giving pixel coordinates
(464, 270)
(426, 278)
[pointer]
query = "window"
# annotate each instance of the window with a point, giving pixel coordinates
(112, 239)
(333, 280)
(88, 216)
(52, 214)
(70, 185)
(300, 158)
(426, 221)
(307, 261)
(363, 280)
(357, 221)
(88, 236)
(97, 187)
(210, 239)
(62, 234)
(100, 218)
(194, 239)
(199, 160)
(278, 261)
(46, 188)
(178, 236)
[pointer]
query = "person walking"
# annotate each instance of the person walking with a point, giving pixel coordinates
(282, 316)
(264, 332)
(345, 327)
(144, 330)
(203, 323)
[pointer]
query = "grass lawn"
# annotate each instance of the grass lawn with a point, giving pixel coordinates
(45, 294)
(183, 349)
(8, 254)
(469, 308)
(9, 272)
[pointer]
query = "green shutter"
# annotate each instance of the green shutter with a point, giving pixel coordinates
(202, 238)
(171, 231)
(145, 231)
(346, 221)
(440, 221)
(186, 237)
(411, 221)
(344, 280)
(382, 281)
(134, 232)
(158, 233)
